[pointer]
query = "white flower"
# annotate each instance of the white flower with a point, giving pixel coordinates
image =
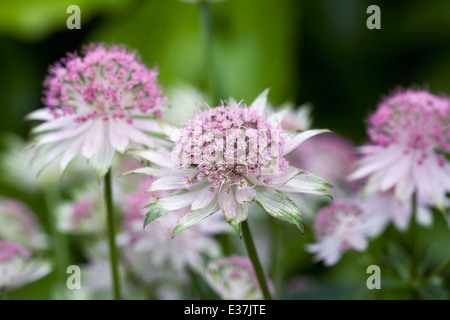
(233, 278)
(338, 227)
(209, 177)
(17, 267)
(103, 102)
(85, 214)
(409, 131)
(19, 224)
(152, 253)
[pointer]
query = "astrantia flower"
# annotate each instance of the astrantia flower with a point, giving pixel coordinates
(338, 227)
(233, 278)
(408, 132)
(104, 101)
(227, 158)
(18, 267)
(84, 215)
(155, 249)
(19, 224)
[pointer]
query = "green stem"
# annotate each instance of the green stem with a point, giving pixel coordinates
(111, 236)
(207, 33)
(253, 255)
(59, 240)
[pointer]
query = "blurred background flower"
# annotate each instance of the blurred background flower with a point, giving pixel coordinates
(19, 267)
(319, 52)
(233, 278)
(19, 224)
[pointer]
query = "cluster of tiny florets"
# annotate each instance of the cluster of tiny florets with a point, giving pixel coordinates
(107, 82)
(416, 120)
(224, 144)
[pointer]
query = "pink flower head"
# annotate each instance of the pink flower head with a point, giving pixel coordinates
(17, 266)
(417, 120)
(338, 227)
(233, 278)
(409, 132)
(103, 101)
(219, 141)
(225, 159)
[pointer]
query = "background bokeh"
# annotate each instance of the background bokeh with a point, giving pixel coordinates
(316, 51)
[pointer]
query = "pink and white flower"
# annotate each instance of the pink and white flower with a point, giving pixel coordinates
(155, 249)
(85, 214)
(409, 133)
(341, 226)
(233, 278)
(105, 101)
(18, 267)
(19, 224)
(225, 159)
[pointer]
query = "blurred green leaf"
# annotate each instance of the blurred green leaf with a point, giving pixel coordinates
(32, 20)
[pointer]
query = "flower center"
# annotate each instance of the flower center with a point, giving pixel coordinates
(228, 142)
(415, 119)
(106, 82)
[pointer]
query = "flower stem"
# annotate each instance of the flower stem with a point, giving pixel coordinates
(253, 255)
(207, 33)
(111, 235)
